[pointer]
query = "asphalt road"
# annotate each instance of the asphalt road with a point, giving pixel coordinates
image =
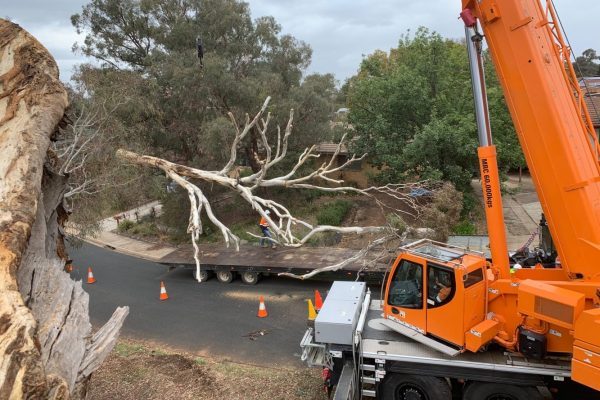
(210, 318)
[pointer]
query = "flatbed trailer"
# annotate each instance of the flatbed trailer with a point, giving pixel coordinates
(384, 364)
(252, 262)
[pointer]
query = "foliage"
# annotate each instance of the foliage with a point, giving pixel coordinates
(173, 105)
(144, 229)
(587, 64)
(443, 213)
(125, 225)
(333, 213)
(396, 222)
(464, 227)
(412, 111)
(175, 214)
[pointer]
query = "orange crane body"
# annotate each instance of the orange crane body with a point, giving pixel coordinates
(466, 302)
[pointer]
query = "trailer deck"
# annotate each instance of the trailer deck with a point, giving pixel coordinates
(267, 260)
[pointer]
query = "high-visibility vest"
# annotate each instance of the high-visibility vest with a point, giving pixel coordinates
(263, 222)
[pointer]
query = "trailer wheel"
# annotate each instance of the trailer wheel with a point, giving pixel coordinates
(204, 275)
(225, 276)
(250, 277)
(413, 387)
(498, 391)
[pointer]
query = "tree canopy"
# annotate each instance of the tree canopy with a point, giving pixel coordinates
(587, 64)
(171, 99)
(178, 105)
(412, 111)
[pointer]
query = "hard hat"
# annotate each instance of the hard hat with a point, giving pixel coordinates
(268, 212)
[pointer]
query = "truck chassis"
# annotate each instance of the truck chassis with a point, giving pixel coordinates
(383, 364)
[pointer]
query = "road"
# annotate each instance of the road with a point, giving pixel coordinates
(209, 319)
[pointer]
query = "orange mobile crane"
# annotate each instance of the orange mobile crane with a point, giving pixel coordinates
(461, 304)
(541, 310)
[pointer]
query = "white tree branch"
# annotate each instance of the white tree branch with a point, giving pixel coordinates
(289, 230)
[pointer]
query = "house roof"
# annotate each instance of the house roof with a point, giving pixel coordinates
(329, 148)
(590, 86)
(591, 82)
(592, 101)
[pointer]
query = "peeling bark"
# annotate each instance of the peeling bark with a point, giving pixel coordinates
(46, 345)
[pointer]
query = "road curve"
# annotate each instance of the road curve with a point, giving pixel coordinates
(211, 318)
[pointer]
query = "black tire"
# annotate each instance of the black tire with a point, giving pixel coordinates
(413, 387)
(499, 391)
(204, 275)
(250, 277)
(225, 276)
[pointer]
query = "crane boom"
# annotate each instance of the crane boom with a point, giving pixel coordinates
(552, 123)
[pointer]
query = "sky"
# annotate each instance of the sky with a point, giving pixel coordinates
(340, 32)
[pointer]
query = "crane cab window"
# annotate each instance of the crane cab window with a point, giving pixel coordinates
(473, 277)
(441, 286)
(406, 287)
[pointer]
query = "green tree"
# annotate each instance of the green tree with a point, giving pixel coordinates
(412, 111)
(587, 64)
(150, 46)
(176, 106)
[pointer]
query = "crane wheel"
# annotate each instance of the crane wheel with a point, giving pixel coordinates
(415, 387)
(499, 391)
(225, 276)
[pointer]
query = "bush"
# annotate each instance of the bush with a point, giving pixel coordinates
(125, 225)
(334, 213)
(144, 229)
(464, 227)
(443, 212)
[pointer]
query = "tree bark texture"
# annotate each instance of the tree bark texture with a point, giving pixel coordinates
(47, 348)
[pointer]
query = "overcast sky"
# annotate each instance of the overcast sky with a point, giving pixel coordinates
(339, 32)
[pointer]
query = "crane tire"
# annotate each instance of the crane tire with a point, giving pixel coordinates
(403, 386)
(493, 391)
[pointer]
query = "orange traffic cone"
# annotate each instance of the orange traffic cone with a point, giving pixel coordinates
(318, 301)
(262, 310)
(91, 278)
(68, 268)
(163, 291)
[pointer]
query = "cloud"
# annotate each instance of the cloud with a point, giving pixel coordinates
(340, 32)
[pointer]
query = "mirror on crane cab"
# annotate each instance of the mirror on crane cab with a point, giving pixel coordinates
(437, 290)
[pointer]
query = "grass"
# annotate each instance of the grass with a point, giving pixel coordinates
(333, 213)
(125, 349)
(135, 370)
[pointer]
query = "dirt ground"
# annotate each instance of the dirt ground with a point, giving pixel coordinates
(138, 371)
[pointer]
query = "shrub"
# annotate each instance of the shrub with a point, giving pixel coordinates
(144, 229)
(443, 212)
(334, 213)
(125, 225)
(464, 227)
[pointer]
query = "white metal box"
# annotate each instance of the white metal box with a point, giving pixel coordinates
(341, 290)
(339, 315)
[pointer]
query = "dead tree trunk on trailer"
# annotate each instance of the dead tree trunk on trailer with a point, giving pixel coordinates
(47, 348)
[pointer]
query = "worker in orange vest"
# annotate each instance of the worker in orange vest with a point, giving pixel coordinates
(264, 227)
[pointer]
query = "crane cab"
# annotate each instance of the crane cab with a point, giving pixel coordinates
(437, 290)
